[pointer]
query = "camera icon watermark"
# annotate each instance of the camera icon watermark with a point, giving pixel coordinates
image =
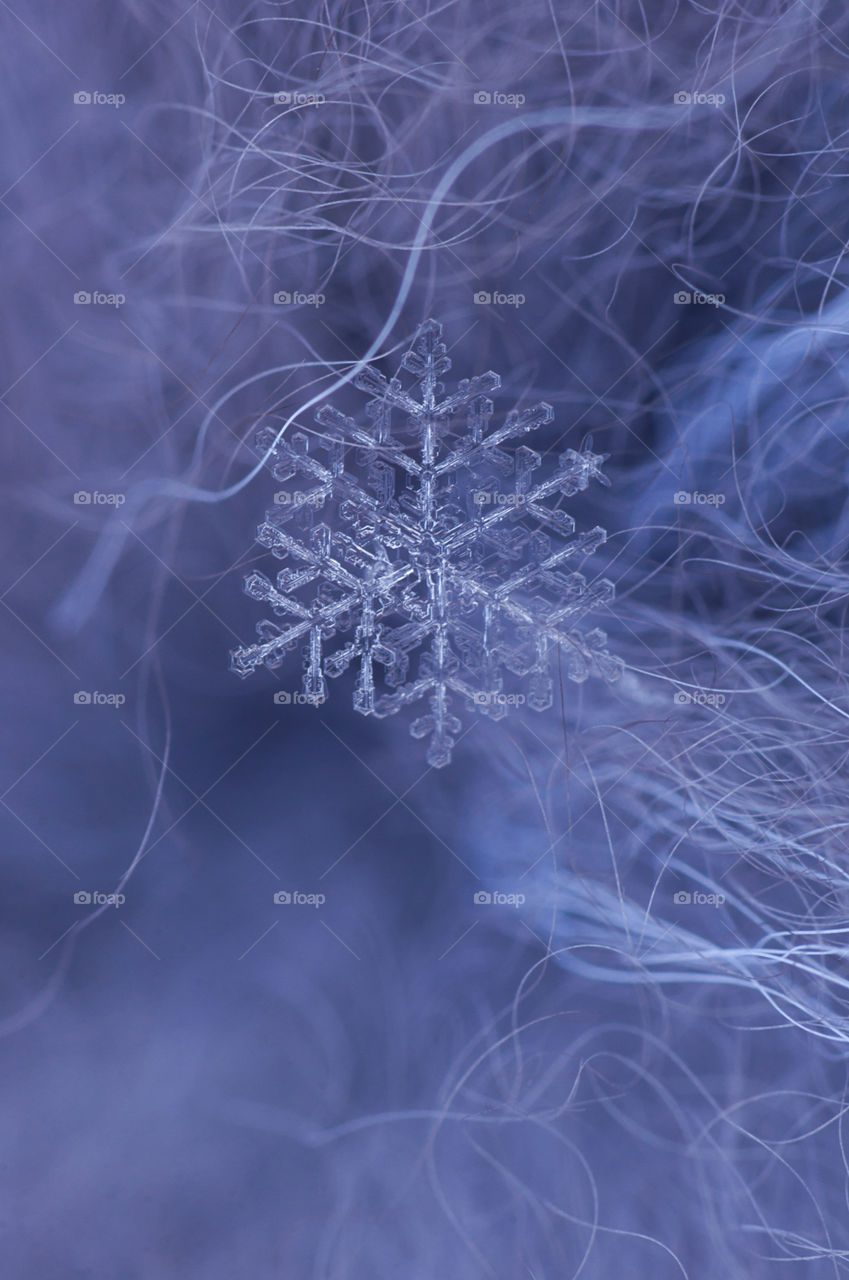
(299, 499)
(699, 698)
(84, 899)
(684, 98)
(283, 698)
(483, 898)
(284, 298)
(84, 98)
(481, 699)
(283, 898)
(485, 298)
(683, 298)
(85, 698)
(97, 298)
(487, 498)
(495, 98)
(683, 898)
(692, 497)
(294, 98)
(82, 498)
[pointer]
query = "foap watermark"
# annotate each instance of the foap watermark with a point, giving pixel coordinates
(85, 698)
(84, 498)
(483, 898)
(94, 899)
(495, 98)
(683, 898)
(486, 498)
(485, 298)
(283, 898)
(692, 497)
(699, 698)
(283, 698)
(295, 98)
(283, 298)
(685, 98)
(299, 499)
(97, 298)
(684, 298)
(93, 98)
(499, 699)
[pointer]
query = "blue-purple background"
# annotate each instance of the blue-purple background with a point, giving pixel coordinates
(401, 1082)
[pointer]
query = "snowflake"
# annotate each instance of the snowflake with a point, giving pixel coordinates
(440, 546)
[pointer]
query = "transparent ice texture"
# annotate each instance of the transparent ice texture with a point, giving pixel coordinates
(429, 550)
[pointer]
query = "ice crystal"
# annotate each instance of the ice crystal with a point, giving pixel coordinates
(422, 536)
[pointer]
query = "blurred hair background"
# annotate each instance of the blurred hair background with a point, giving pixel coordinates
(641, 1069)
